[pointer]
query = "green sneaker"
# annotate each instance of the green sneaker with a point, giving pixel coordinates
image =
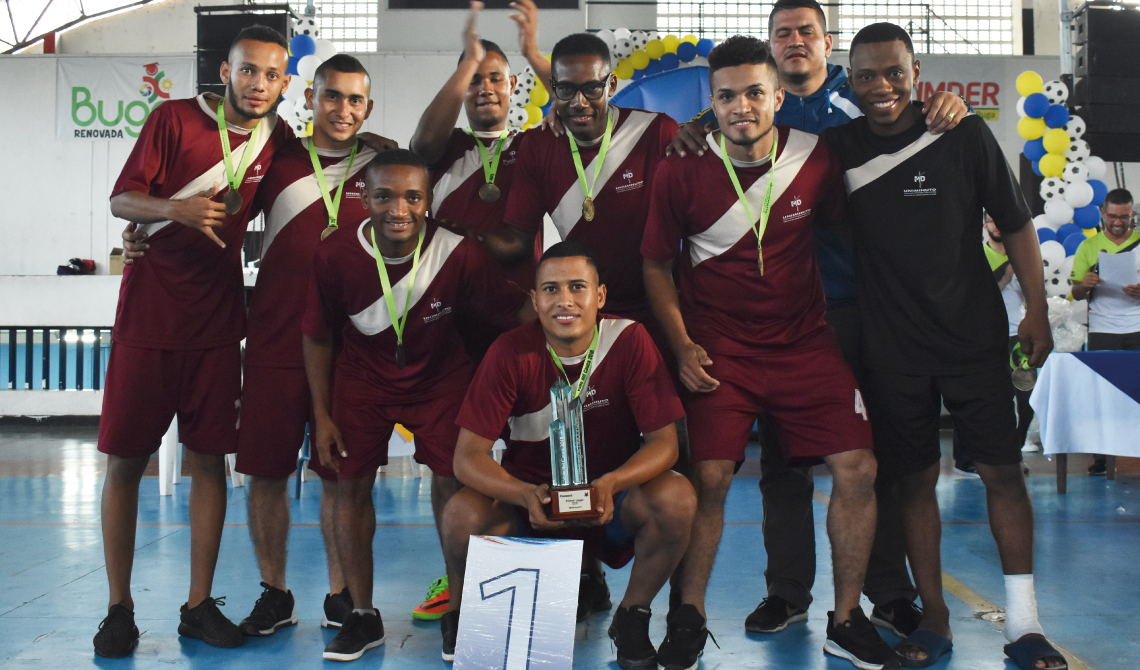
(433, 607)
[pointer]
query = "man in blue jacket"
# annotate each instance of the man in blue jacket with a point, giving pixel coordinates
(819, 96)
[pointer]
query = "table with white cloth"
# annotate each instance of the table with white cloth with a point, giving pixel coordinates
(1088, 402)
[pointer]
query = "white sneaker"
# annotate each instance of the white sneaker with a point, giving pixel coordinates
(1030, 447)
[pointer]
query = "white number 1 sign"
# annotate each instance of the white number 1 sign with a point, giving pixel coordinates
(520, 598)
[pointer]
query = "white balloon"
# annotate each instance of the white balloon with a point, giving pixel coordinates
(307, 67)
(1057, 92)
(1095, 167)
(304, 113)
(1020, 107)
(639, 38)
(1075, 127)
(1057, 286)
(1078, 194)
(654, 35)
(1078, 151)
(622, 33)
(607, 36)
(1075, 173)
(1052, 255)
(296, 90)
(325, 50)
(1041, 221)
(1058, 212)
(1052, 188)
(623, 47)
(285, 109)
(1066, 269)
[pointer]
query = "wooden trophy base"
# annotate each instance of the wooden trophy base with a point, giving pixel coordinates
(572, 502)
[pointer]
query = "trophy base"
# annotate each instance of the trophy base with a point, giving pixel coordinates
(576, 502)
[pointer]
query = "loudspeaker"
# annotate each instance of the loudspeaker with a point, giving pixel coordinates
(1105, 23)
(1111, 59)
(1106, 90)
(219, 25)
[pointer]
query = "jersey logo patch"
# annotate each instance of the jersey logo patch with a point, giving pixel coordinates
(439, 311)
(921, 189)
(629, 184)
(860, 408)
(590, 392)
(796, 201)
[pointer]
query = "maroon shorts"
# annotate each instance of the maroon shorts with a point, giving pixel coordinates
(810, 394)
(367, 427)
(275, 408)
(146, 388)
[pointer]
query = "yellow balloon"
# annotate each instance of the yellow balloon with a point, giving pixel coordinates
(1089, 232)
(691, 39)
(309, 129)
(655, 49)
(1056, 141)
(540, 96)
(534, 115)
(1052, 165)
(1031, 129)
(1029, 82)
(670, 42)
(624, 69)
(548, 57)
(640, 61)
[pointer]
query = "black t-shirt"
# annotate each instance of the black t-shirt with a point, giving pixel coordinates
(929, 302)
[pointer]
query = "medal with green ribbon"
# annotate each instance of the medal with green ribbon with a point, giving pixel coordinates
(757, 226)
(232, 199)
(587, 363)
(332, 206)
(488, 192)
(398, 322)
(588, 203)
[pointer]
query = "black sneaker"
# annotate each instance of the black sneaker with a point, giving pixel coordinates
(337, 607)
(118, 635)
(358, 633)
(684, 640)
(449, 627)
(630, 632)
(593, 595)
(900, 616)
(274, 609)
(857, 641)
(773, 615)
(1099, 467)
(207, 623)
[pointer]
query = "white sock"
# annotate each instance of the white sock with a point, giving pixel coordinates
(373, 612)
(1021, 608)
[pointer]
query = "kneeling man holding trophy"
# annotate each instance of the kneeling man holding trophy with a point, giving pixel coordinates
(587, 409)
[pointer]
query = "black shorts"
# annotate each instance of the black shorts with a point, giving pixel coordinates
(905, 409)
(1114, 341)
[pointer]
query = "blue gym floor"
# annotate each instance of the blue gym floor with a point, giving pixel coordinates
(54, 585)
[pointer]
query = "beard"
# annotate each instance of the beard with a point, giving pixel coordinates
(247, 113)
(749, 141)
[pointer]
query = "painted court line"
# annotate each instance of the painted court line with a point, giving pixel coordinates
(977, 602)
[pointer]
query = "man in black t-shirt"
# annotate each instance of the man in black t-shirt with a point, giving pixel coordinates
(934, 324)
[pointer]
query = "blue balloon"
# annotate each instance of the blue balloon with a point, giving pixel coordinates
(638, 74)
(1037, 168)
(704, 46)
(687, 51)
(292, 69)
(1057, 116)
(545, 109)
(1072, 242)
(1087, 217)
(1036, 104)
(302, 45)
(1068, 229)
(1046, 235)
(1100, 189)
(670, 62)
(653, 67)
(1034, 150)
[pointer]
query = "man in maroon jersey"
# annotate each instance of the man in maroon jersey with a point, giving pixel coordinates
(470, 185)
(615, 366)
(394, 287)
(275, 393)
(181, 316)
(749, 335)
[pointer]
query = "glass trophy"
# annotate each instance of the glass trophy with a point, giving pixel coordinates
(571, 496)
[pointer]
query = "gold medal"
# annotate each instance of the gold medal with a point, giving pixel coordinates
(232, 200)
(489, 193)
(400, 362)
(326, 232)
(588, 209)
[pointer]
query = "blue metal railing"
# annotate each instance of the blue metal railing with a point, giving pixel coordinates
(53, 358)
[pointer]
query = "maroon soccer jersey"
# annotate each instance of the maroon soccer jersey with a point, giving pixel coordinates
(629, 392)
(457, 176)
(187, 292)
(547, 183)
(456, 280)
(295, 217)
(728, 306)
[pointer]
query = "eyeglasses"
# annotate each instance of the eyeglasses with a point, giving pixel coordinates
(1122, 218)
(592, 90)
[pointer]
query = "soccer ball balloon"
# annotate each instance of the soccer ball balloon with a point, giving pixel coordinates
(623, 47)
(1075, 172)
(639, 38)
(1056, 92)
(1075, 127)
(517, 117)
(1078, 151)
(306, 26)
(1052, 188)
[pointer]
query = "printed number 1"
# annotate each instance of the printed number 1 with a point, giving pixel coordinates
(523, 589)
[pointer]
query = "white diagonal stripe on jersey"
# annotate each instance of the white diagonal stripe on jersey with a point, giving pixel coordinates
(459, 172)
(298, 196)
(375, 318)
(622, 143)
(857, 178)
(849, 108)
(217, 173)
(535, 426)
(734, 224)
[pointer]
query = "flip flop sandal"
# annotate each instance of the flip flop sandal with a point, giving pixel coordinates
(1028, 650)
(932, 643)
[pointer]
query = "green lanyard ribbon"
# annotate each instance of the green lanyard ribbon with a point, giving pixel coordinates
(490, 166)
(588, 191)
(331, 205)
(398, 322)
(234, 178)
(762, 224)
(587, 363)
